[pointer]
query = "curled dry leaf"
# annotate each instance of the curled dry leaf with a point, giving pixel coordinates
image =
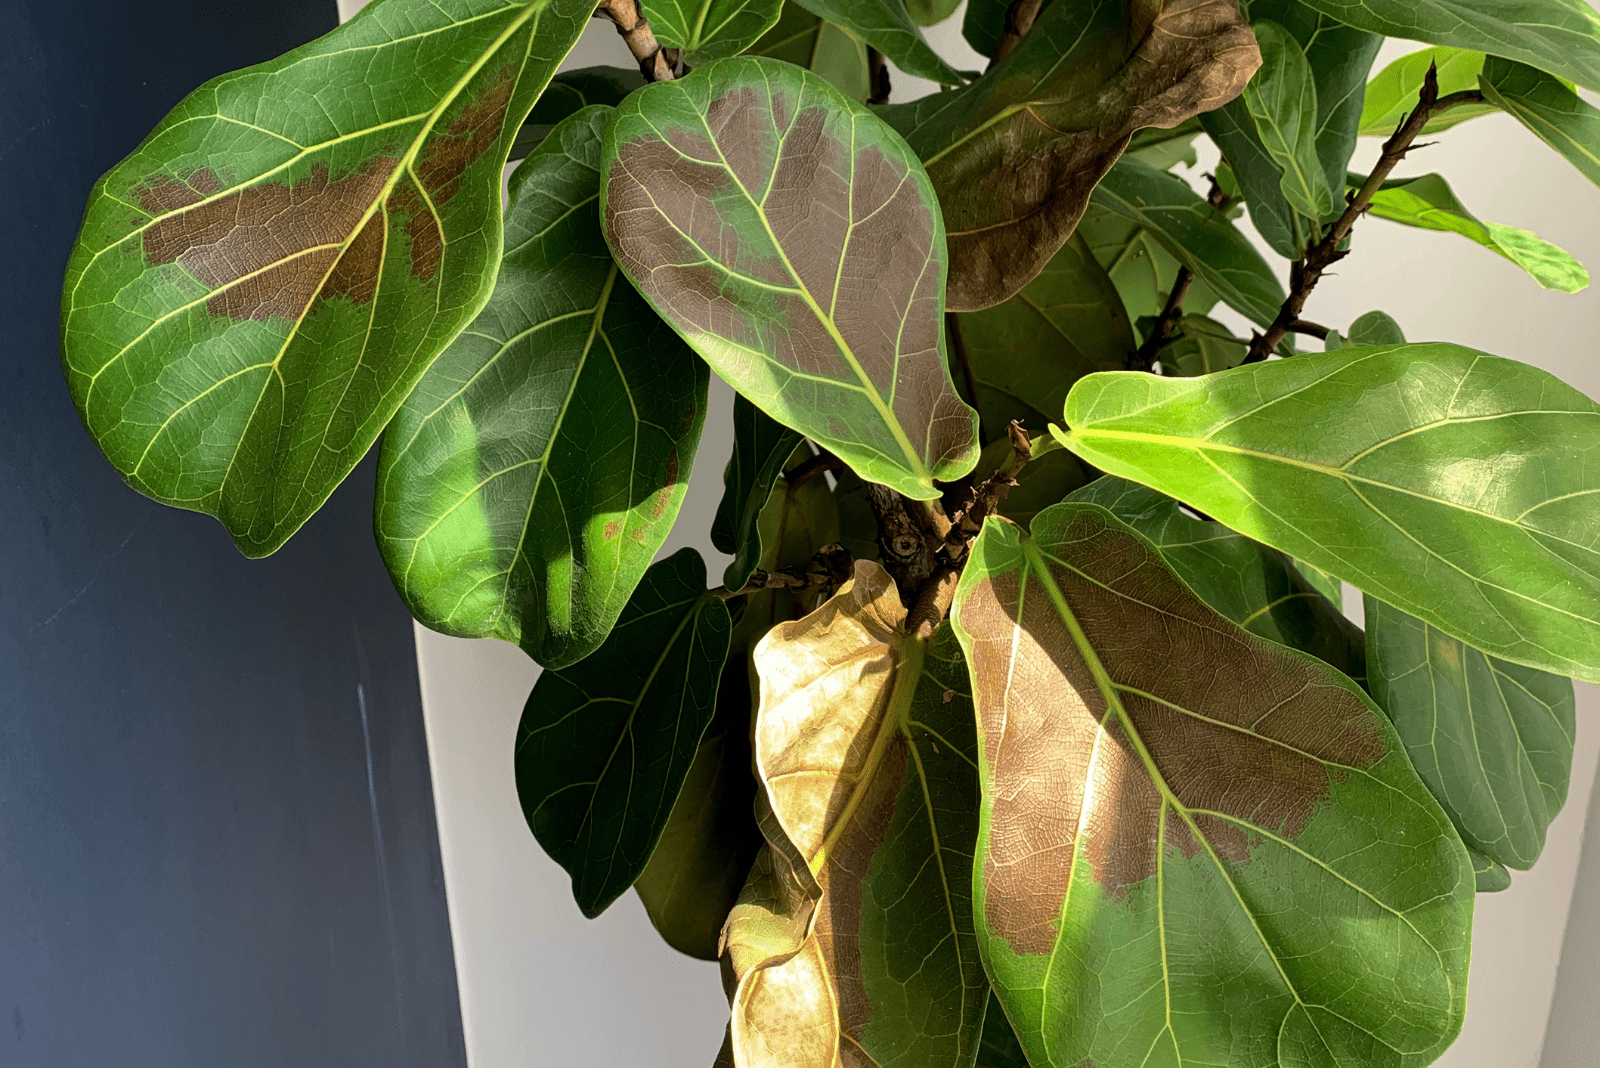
(853, 941)
(1015, 155)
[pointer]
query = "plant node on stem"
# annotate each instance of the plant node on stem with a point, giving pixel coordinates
(1305, 273)
(657, 64)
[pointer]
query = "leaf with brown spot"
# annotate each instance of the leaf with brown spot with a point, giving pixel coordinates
(538, 466)
(1015, 155)
(794, 241)
(853, 942)
(260, 284)
(1195, 845)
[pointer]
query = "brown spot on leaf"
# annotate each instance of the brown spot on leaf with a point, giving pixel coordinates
(469, 135)
(355, 276)
(611, 529)
(161, 195)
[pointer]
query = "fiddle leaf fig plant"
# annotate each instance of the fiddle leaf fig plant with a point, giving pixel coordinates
(1025, 726)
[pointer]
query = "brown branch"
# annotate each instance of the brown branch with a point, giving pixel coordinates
(986, 501)
(807, 470)
(1305, 273)
(877, 77)
(1019, 20)
(834, 559)
(933, 601)
(657, 64)
(1316, 330)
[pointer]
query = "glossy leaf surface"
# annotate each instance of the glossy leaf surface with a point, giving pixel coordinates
(1492, 740)
(1015, 155)
(1465, 493)
(1548, 107)
(1428, 202)
(710, 29)
(1163, 793)
(761, 448)
(1559, 36)
(864, 744)
(1195, 234)
(1024, 354)
(569, 93)
(604, 745)
(1392, 92)
(529, 479)
(259, 285)
(812, 42)
(1282, 99)
(1256, 587)
(794, 241)
(887, 26)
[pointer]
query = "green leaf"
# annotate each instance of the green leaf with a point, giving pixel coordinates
(1282, 99)
(1559, 36)
(1427, 202)
(1392, 93)
(1492, 740)
(259, 285)
(794, 241)
(1491, 877)
(858, 523)
(888, 27)
(711, 29)
(1015, 154)
(1165, 149)
(1024, 354)
(1163, 795)
(528, 480)
(761, 448)
(931, 12)
(1143, 271)
(864, 743)
(1195, 234)
(983, 23)
(604, 745)
(999, 1048)
(1202, 346)
(812, 42)
(1454, 485)
(1257, 587)
(1375, 328)
(1551, 109)
(569, 93)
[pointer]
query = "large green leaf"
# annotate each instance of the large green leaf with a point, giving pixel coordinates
(1282, 99)
(812, 42)
(887, 26)
(1024, 354)
(529, 479)
(983, 23)
(794, 241)
(1015, 154)
(1392, 94)
(1559, 36)
(1548, 107)
(1257, 587)
(710, 29)
(1195, 234)
(569, 93)
(259, 285)
(1428, 202)
(761, 448)
(1492, 740)
(1165, 796)
(864, 743)
(1457, 486)
(604, 745)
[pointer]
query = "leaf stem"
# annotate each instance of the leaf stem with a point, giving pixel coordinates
(657, 64)
(1019, 20)
(1304, 273)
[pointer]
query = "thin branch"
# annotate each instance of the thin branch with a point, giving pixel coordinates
(1305, 273)
(986, 501)
(877, 77)
(1019, 20)
(1144, 358)
(1316, 330)
(657, 64)
(834, 559)
(807, 470)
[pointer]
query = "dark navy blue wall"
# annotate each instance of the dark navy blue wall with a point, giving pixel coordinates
(217, 842)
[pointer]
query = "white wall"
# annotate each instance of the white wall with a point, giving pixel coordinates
(541, 986)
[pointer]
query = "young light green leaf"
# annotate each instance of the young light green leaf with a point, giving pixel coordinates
(1465, 493)
(1257, 587)
(1195, 234)
(1017, 360)
(812, 42)
(1392, 93)
(793, 239)
(761, 448)
(528, 480)
(604, 745)
(888, 27)
(1282, 99)
(1492, 740)
(1558, 36)
(864, 747)
(1550, 108)
(1429, 203)
(1162, 793)
(710, 29)
(1015, 154)
(259, 285)
(1375, 328)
